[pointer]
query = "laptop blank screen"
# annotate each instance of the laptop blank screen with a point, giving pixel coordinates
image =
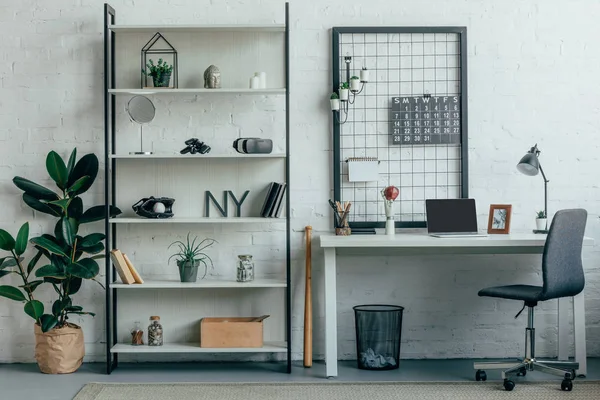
(451, 215)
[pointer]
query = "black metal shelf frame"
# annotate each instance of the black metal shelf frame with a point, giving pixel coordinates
(111, 299)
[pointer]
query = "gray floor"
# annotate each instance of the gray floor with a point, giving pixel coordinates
(25, 382)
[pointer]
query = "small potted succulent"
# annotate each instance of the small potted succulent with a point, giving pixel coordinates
(190, 256)
(355, 83)
(335, 102)
(540, 220)
(344, 91)
(160, 72)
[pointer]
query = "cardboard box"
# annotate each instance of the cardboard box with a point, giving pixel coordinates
(232, 332)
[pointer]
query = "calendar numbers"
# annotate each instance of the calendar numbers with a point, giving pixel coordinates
(425, 120)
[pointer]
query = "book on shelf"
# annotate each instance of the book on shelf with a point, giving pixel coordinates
(121, 266)
(136, 275)
(273, 201)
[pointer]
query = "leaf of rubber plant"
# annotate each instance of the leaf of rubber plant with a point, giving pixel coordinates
(4, 273)
(57, 308)
(31, 286)
(37, 205)
(48, 245)
(48, 322)
(86, 166)
(72, 286)
(33, 189)
(85, 269)
(11, 262)
(57, 169)
(66, 230)
(33, 262)
(92, 239)
(78, 184)
(71, 162)
(50, 271)
(94, 249)
(82, 313)
(11, 292)
(75, 208)
(34, 308)
(96, 213)
(73, 308)
(7, 242)
(22, 238)
(62, 203)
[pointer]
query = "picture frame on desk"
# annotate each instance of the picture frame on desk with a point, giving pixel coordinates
(499, 219)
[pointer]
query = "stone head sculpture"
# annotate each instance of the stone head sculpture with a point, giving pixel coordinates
(212, 78)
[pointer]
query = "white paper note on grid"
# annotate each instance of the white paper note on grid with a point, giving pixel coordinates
(363, 169)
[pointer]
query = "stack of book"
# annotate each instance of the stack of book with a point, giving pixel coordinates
(274, 203)
(125, 268)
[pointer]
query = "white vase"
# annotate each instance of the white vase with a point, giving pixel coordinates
(335, 104)
(263, 80)
(255, 82)
(390, 226)
(540, 224)
(355, 85)
(344, 94)
(364, 75)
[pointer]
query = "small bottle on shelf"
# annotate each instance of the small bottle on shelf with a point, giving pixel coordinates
(155, 332)
(137, 335)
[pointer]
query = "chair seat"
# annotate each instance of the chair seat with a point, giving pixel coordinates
(513, 292)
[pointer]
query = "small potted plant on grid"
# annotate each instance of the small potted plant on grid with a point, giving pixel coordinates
(540, 220)
(190, 256)
(160, 73)
(335, 102)
(355, 84)
(344, 91)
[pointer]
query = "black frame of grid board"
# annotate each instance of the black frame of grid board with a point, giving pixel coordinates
(369, 226)
(110, 194)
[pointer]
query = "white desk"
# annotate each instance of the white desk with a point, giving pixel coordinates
(403, 244)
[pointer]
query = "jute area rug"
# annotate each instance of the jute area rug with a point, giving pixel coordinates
(582, 390)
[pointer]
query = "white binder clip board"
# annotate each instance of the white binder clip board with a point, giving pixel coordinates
(363, 169)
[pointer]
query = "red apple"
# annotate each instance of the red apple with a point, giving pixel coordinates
(391, 192)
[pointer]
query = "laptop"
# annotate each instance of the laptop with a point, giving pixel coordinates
(451, 218)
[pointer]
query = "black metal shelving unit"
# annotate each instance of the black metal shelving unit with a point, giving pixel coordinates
(110, 190)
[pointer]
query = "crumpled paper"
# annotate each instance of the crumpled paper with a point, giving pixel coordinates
(371, 360)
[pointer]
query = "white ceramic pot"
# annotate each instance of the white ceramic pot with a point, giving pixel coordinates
(364, 75)
(344, 94)
(355, 85)
(335, 104)
(540, 223)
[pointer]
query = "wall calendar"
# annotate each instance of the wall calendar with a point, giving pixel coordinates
(425, 120)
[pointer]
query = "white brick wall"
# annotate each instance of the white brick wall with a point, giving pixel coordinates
(532, 78)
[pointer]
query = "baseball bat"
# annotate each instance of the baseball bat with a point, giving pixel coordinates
(308, 301)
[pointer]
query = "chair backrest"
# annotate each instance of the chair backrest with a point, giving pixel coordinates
(561, 264)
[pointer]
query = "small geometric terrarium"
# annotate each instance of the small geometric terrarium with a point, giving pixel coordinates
(159, 63)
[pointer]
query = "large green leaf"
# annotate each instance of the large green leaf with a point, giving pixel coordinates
(34, 308)
(57, 169)
(35, 190)
(62, 203)
(60, 305)
(8, 262)
(93, 249)
(22, 238)
(7, 242)
(78, 184)
(85, 269)
(31, 286)
(33, 262)
(87, 165)
(67, 231)
(71, 163)
(11, 292)
(92, 239)
(49, 245)
(97, 213)
(50, 271)
(41, 207)
(75, 208)
(4, 273)
(73, 308)
(72, 285)
(48, 322)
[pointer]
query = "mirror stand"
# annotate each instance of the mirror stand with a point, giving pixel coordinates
(141, 152)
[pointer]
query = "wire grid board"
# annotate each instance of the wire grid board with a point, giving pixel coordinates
(422, 152)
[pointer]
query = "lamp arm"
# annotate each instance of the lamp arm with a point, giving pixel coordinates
(545, 194)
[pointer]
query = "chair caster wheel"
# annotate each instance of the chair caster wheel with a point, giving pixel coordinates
(566, 385)
(522, 372)
(480, 375)
(509, 385)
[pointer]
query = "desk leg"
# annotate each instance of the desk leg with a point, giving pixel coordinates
(579, 330)
(563, 328)
(330, 314)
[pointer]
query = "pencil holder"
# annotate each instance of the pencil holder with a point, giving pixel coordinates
(345, 231)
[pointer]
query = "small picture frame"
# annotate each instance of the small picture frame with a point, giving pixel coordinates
(499, 219)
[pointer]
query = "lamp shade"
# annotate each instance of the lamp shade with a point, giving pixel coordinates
(529, 164)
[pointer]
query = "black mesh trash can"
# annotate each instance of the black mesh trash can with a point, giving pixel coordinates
(378, 332)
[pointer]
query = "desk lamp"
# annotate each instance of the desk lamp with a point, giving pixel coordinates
(530, 166)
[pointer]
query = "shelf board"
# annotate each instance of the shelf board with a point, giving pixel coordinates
(194, 156)
(151, 91)
(197, 28)
(199, 220)
(202, 284)
(269, 347)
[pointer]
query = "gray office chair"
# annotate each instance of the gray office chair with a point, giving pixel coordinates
(562, 272)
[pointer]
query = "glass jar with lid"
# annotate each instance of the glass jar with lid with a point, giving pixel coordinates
(245, 268)
(137, 335)
(155, 332)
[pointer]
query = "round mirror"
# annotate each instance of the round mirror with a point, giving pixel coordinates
(141, 109)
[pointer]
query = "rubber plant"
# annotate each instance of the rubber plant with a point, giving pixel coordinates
(71, 257)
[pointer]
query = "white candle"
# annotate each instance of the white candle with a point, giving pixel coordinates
(354, 85)
(364, 75)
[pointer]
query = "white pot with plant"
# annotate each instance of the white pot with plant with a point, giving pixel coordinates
(355, 84)
(335, 102)
(541, 220)
(344, 91)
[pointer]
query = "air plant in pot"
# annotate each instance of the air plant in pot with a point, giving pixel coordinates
(540, 220)
(190, 256)
(344, 91)
(334, 99)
